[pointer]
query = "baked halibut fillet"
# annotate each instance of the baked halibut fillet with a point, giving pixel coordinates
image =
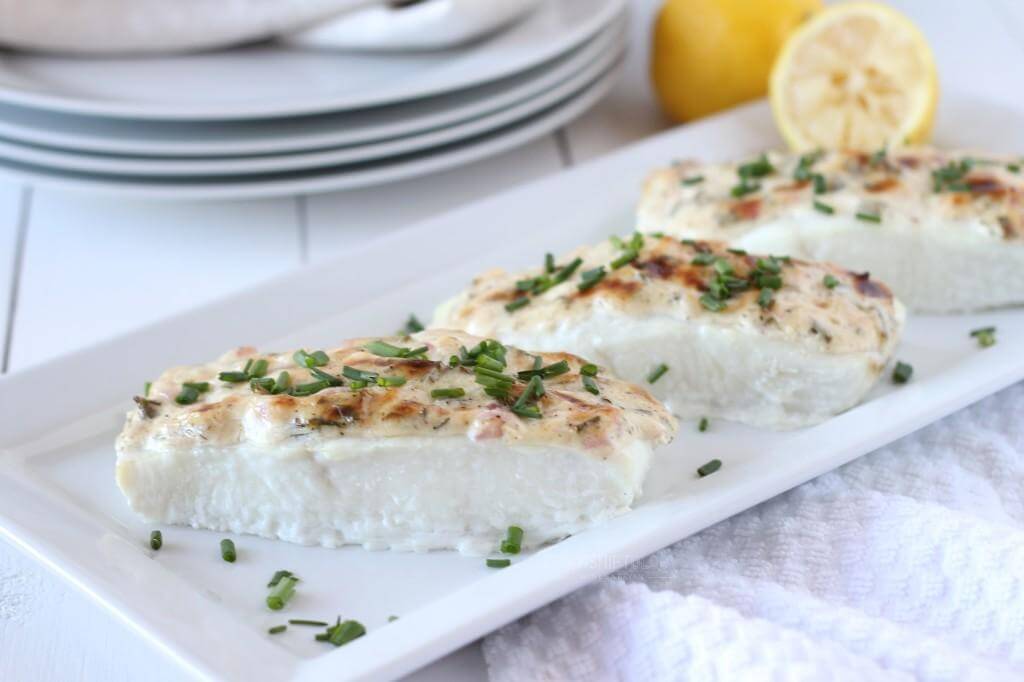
(945, 230)
(390, 443)
(772, 342)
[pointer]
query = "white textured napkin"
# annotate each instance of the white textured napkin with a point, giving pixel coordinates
(907, 564)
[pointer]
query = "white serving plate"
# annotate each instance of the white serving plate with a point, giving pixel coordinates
(272, 80)
(98, 134)
(78, 162)
(59, 503)
(325, 179)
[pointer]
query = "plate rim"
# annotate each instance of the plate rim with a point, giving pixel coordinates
(107, 164)
(330, 179)
(548, 75)
(148, 111)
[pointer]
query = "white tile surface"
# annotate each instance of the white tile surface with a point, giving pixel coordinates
(94, 268)
(344, 219)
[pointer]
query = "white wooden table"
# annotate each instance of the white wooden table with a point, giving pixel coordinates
(75, 269)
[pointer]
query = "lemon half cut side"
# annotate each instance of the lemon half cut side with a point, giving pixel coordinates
(856, 76)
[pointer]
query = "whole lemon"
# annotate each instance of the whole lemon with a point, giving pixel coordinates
(709, 55)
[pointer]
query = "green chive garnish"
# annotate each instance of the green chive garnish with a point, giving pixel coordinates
(552, 370)
(304, 390)
(738, 252)
(390, 381)
(145, 389)
(823, 208)
(1013, 167)
(386, 350)
(499, 563)
(310, 360)
(190, 391)
(549, 263)
(447, 393)
(515, 305)
(282, 592)
(830, 282)
(277, 577)
(695, 180)
(412, 325)
(591, 278)
(820, 184)
(233, 377)
(703, 259)
(901, 373)
(227, 551)
(712, 303)
(868, 217)
(657, 373)
(756, 169)
(392, 619)
(343, 633)
(258, 368)
(765, 298)
(589, 370)
(590, 385)
(314, 623)
(156, 540)
(744, 189)
(277, 629)
(709, 468)
(358, 374)
(702, 426)
(986, 336)
(512, 544)
(625, 259)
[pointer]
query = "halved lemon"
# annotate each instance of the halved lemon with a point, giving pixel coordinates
(856, 76)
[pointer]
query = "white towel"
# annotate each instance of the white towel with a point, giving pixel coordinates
(907, 564)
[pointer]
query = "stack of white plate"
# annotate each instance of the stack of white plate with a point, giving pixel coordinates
(271, 119)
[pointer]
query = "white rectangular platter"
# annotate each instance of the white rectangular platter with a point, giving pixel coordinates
(58, 500)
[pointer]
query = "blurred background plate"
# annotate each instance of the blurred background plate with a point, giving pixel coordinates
(272, 80)
(97, 134)
(324, 179)
(63, 160)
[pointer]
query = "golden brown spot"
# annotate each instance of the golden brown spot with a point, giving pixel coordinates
(883, 185)
(611, 285)
(986, 185)
(506, 295)
(748, 209)
(794, 186)
(283, 401)
(405, 409)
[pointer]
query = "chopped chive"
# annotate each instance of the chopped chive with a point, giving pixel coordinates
(820, 184)
(712, 303)
(304, 390)
(277, 577)
(512, 544)
(390, 382)
(528, 411)
(768, 281)
(310, 360)
(549, 263)
(702, 425)
(694, 180)
(259, 368)
(515, 305)
(552, 370)
(392, 619)
(156, 540)
(901, 373)
(756, 169)
(765, 298)
(145, 389)
(261, 385)
(190, 391)
(709, 468)
(499, 563)
(343, 633)
(227, 551)
(738, 252)
(769, 264)
(703, 259)
(868, 217)
(233, 377)
(447, 393)
(986, 336)
(590, 385)
(282, 383)
(625, 259)
(314, 623)
(744, 189)
(591, 278)
(277, 629)
(357, 374)
(321, 375)
(1013, 167)
(412, 325)
(830, 282)
(386, 350)
(282, 592)
(589, 370)
(823, 208)
(657, 373)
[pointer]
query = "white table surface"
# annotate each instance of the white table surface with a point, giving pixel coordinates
(74, 270)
